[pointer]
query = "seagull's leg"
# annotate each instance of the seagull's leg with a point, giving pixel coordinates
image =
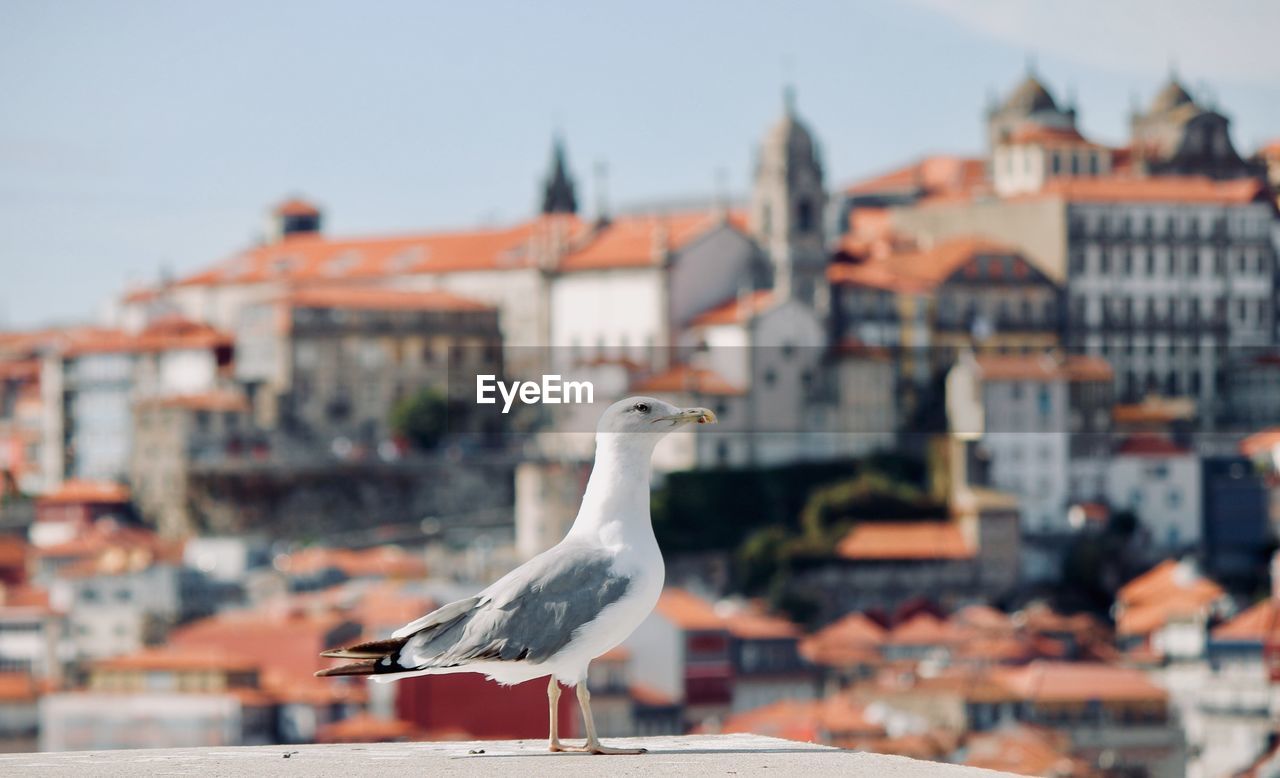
(553, 700)
(593, 742)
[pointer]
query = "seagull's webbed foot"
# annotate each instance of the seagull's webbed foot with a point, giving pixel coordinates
(557, 747)
(597, 748)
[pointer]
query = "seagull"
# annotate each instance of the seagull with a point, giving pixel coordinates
(555, 613)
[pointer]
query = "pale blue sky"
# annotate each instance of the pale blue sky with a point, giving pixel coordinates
(140, 134)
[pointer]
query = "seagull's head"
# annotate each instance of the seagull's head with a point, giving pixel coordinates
(650, 416)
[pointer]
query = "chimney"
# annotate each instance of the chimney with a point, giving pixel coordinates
(293, 217)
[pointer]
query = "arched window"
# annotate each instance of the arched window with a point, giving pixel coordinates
(804, 215)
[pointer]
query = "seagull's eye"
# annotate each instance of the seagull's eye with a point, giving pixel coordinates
(642, 407)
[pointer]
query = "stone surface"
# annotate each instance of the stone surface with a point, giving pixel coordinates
(688, 755)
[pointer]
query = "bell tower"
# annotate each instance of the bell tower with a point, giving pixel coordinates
(788, 203)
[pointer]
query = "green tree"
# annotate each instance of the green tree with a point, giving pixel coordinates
(421, 418)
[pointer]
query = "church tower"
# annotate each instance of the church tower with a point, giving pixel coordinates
(787, 206)
(558, 195)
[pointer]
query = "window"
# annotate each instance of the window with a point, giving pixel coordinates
(804, 215)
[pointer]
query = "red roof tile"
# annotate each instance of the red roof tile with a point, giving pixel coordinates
(91, 492)
(1261, 443)
(683, 378)
(366, 298)
(1157, 189)
(689, 611)
(1259, 623)
(904, 540)
(367, 728)
(176, 659)
(296, 207)
(1058, 682)
(737, 310)
(214, 402)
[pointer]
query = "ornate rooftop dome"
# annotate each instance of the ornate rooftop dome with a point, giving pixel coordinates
(1029, 97)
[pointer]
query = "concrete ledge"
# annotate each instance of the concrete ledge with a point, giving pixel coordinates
(687, 755)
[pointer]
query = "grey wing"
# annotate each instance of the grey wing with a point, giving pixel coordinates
(528, 615)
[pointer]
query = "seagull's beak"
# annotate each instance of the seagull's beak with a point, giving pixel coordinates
(697, 415)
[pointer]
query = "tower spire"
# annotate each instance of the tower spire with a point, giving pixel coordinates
(558, 190)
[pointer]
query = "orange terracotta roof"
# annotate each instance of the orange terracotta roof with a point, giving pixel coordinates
(370, 299)
(836, 717)
(82, 491)
(296, 206)
(286, 644)
(1042, 135)
(753, 622)
(1151, 446)
(904, 540)
(1077, 682)
(1259, 623)
(1168, 578)
(683, 378)
(854, 636)
(108, 546)
(377, 562)
(931, 174)
(18, 687)
(311, 257)
(1261, 443)
(876, 274)
(171, 333)
(639, 241)
(689, 611)
(924, 629)
(1155, 411)
(737, 310)
(177, 659)
(14, 597)
(650, 697)
(984, 618)
(214, 402)
(1025, 750)
(367, 728)
(1156, 189)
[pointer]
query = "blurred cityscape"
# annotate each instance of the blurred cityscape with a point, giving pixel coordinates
(997, 479)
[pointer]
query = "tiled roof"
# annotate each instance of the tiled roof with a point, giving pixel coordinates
(171, 333)
(924, 629)
(983, 618)
(836, 717)
(931, 174)
(1168, 577)
(904, 541)
(1156, 189)
(313, 257)
(754, 622)
(286, 644)
(1259, 623)
(1025, 750)
(377, 562)
(639, 241)
(1261, 443)
(372, 299)
(179, 659)
(296, 206)
(689, 611)
(852, 640)
(26, 597)
(1042, 135)
(916, 269)
(82, 491)
(650, 697)
(1155, 411)
(1043, 367)
(224, 401)
(737, 310)
(18, 687)
(684, 378)
(1079, 682)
